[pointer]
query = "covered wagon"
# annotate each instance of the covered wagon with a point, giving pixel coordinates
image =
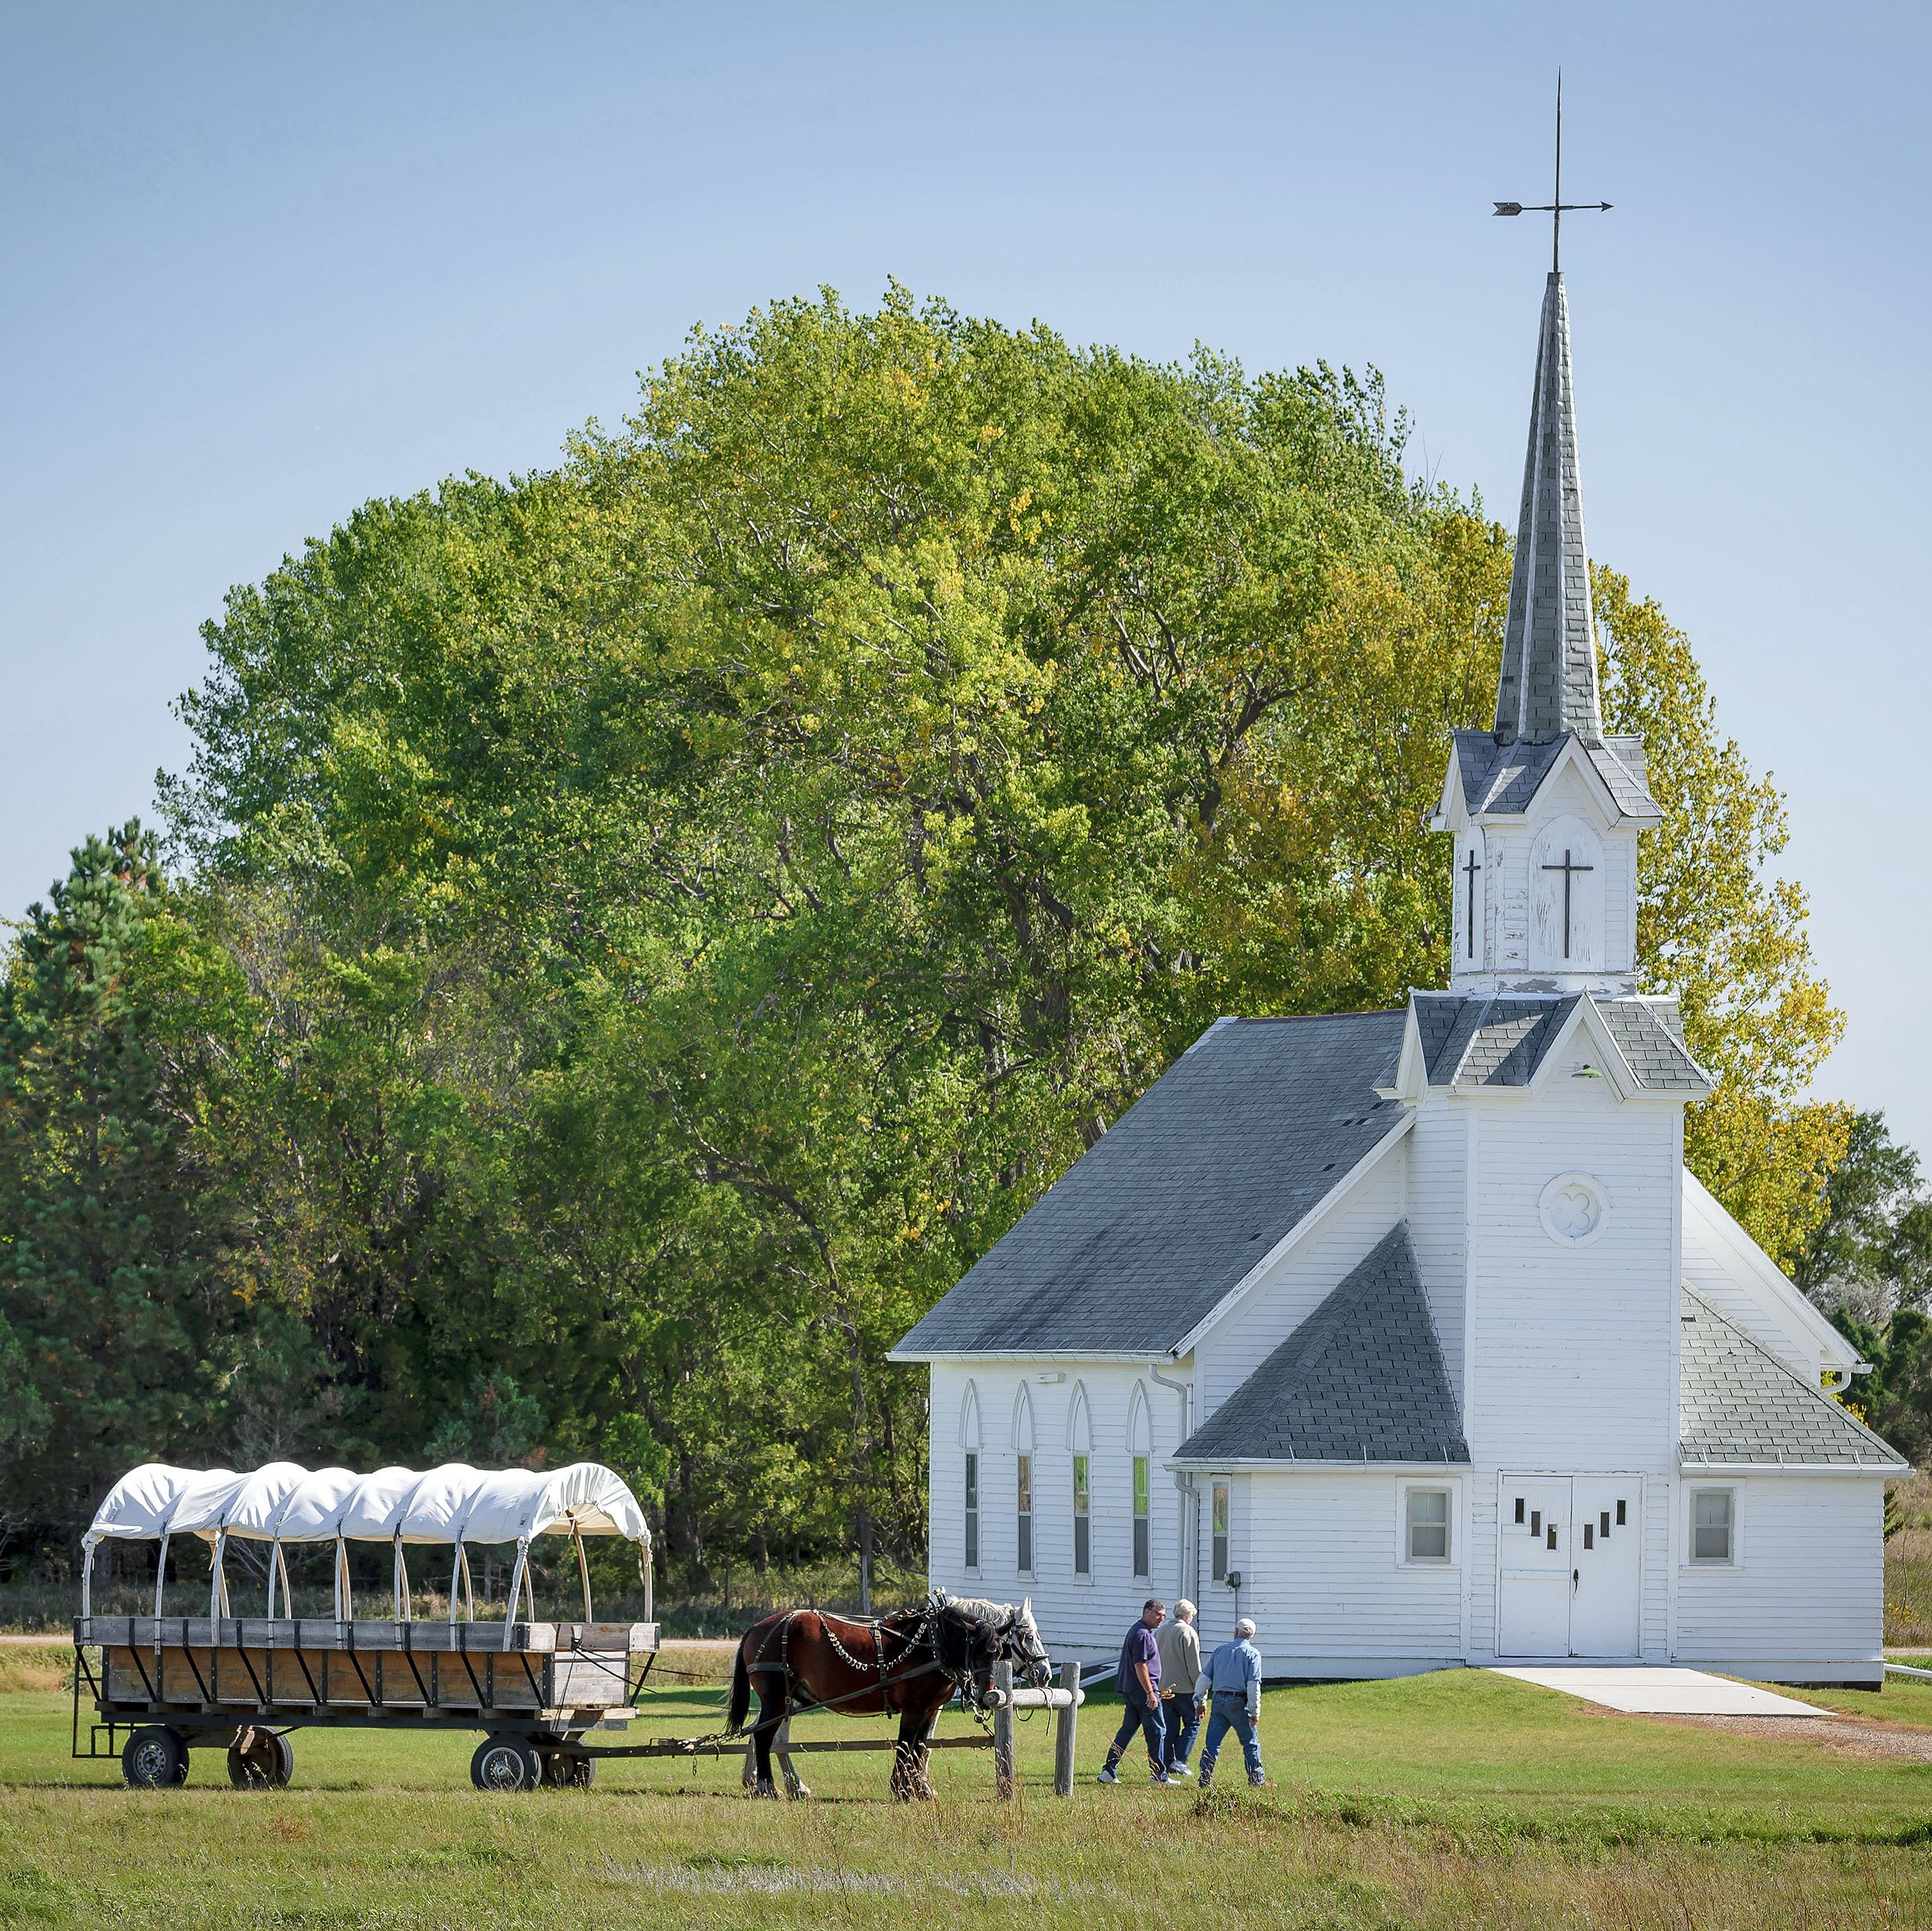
(195, 1675)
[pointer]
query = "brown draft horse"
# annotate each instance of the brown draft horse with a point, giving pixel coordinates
(909, 1662)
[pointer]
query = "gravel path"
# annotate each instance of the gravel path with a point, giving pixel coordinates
(1845, 1733)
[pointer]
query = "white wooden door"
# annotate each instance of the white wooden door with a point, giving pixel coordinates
(1607, 1535)
(1534, 1567)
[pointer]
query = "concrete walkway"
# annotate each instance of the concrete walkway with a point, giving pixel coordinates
(1642, 1689)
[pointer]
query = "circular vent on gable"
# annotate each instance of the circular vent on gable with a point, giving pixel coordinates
(1574, 1208)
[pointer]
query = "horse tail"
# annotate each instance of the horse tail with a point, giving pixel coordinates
(741, 1689)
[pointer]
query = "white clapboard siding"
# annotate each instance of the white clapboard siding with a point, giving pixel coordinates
(1323, 1578)
(1724, 1265)
(1437, 1150)
(1075, 1614)
(1808, 1582)
(1574, 1349)
(1298, 1284)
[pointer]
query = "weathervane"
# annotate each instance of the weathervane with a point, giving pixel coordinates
(1557, 208)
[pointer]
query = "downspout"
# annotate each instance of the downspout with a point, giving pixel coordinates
(1184, 1483)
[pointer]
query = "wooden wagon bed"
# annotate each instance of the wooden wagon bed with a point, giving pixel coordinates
(573, 1674)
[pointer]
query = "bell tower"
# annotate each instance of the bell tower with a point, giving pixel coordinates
(1546, 809)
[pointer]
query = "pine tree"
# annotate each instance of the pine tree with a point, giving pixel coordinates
(106, 1288)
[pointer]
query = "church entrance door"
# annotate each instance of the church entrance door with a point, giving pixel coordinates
(1533, 1600)
(1603, 1613)
(1567, 1569)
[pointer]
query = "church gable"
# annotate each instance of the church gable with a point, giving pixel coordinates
(1361, 1380)
(1467, 1042)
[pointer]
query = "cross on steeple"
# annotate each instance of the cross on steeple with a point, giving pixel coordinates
(1569, 870)
(1470, 869)
(1556, 207)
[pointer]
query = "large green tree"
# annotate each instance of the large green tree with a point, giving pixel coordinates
(689, 903)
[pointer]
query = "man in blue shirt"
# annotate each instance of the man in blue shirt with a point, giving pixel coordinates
(1138, 1680)
(1232, 1681)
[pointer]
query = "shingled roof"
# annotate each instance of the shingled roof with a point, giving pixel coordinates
(1500, 1040)
(1500, 777)
(1739, 1405)
(1360, 1379)
(1142, 1235)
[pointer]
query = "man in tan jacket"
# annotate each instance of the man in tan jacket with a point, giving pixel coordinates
(1179, 1643)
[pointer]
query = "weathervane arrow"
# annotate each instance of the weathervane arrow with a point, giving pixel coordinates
(1557, 208)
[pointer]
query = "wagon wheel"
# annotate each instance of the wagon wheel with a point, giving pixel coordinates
(565, 1770)
(154, 1759)
(260, 1759)
(504, 1763)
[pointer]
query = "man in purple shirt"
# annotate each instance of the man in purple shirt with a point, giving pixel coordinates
(1138, 1680)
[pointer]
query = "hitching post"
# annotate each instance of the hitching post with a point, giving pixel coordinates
(1066, 1739)
(1002, 1731)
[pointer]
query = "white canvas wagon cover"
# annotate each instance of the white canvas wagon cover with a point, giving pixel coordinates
(284, 1502)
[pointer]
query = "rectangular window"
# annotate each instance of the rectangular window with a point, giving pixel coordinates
(1084, 1519)
(1218, 1523)
(1024, 1499)
(1143, 1556)
(1711, 1525)
(1428, 1525)
(973, 1511)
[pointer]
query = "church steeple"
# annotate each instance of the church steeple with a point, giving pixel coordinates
(1546, 811)
(1549, 684)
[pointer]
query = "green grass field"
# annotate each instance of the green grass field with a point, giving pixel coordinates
(1444, 1800)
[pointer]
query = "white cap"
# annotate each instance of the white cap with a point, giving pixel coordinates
(1245, 1627)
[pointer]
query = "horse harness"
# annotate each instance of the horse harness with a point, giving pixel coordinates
(961, 1680)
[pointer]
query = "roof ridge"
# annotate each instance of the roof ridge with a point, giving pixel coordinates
(1785, 1368)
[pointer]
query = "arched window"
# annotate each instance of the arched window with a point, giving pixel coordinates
(1080, 1439)
(1141, 1460)
(1022, 1457)
(1566, 897)
(969, 1441)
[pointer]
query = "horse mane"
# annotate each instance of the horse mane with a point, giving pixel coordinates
(977, 1609)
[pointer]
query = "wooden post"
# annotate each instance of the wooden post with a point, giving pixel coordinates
(1002, 1731)
(1066, 1738)
(794, 1784)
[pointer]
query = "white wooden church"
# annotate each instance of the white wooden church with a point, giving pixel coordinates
(1407, 1333)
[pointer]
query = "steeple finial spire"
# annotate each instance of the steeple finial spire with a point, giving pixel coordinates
(1549, 682)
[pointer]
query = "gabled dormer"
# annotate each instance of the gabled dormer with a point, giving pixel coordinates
(1546, 809)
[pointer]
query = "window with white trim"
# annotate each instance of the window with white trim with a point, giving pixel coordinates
(1083, 1518)
(1713, 1526)
(1023, 1512)
(1144, 1543)
(1426, 1532)
(972, 1510)
(1218, 1523)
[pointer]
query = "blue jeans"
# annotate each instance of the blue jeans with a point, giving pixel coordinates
(1139, 1716)
(1230, 1712)
(1181, 1725)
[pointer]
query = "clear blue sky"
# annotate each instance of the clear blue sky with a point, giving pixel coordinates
(262, 262)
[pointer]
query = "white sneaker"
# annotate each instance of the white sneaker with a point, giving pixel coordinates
(1107, 1777)
(1179, 1770)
